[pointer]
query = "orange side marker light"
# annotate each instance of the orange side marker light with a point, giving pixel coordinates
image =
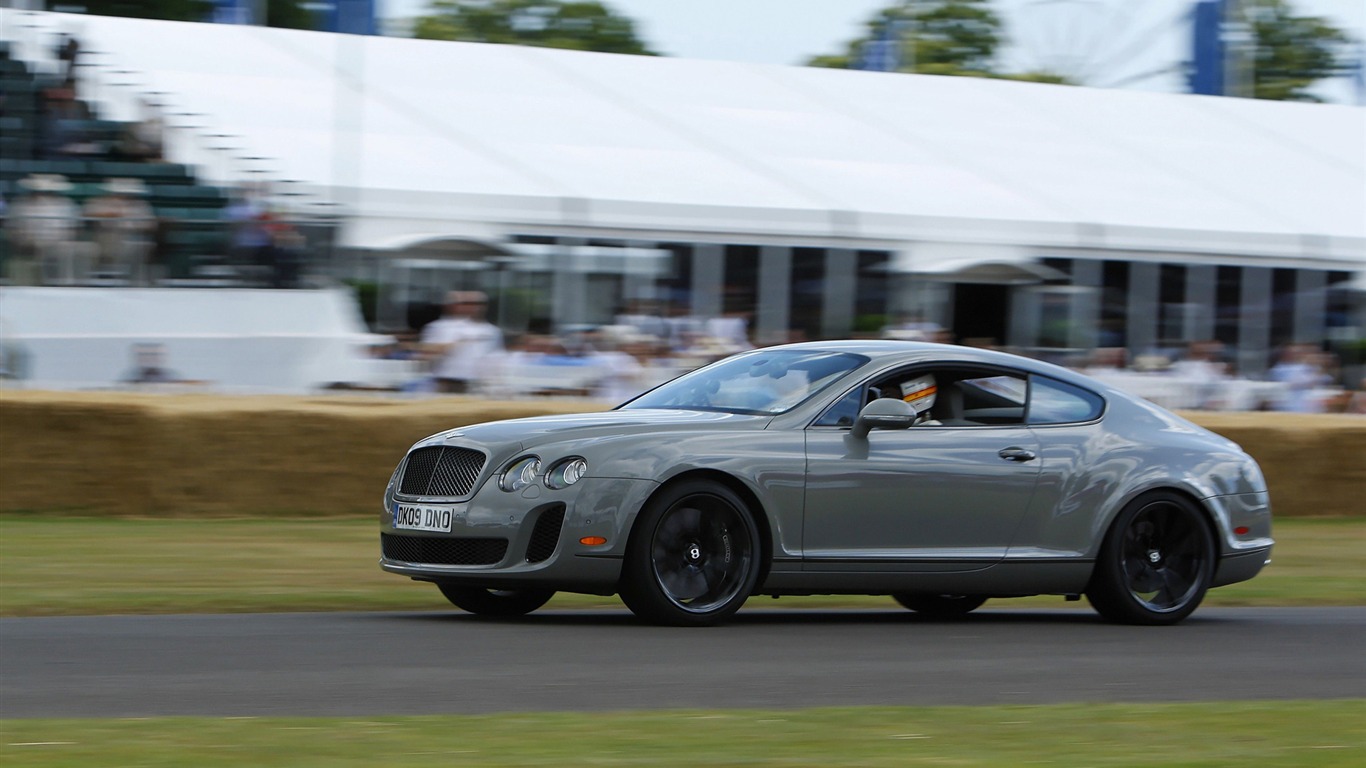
(592, 541)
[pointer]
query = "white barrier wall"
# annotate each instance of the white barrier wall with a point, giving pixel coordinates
(288, 341)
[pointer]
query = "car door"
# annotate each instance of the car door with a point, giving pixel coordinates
(945, 495)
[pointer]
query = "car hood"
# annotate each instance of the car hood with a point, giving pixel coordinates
(538, 430)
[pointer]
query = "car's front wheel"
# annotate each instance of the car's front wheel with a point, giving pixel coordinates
(1156, 563)
(496, 602)
(940, 606)
(693, 557)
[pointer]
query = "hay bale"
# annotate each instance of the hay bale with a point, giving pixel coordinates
(1315, 465)
(199, 454)
(137, 454)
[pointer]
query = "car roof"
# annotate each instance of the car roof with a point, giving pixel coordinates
(913, 351)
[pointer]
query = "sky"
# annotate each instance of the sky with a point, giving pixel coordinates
(1107, 43)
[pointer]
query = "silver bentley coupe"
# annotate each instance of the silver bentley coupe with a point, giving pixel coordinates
(939, 475)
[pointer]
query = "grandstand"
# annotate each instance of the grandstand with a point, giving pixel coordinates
(195, 237)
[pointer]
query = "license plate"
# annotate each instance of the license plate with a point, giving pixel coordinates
(419, 517)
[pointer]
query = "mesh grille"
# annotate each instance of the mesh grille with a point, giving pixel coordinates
(443, 550)
(441, 471)
(546, 535)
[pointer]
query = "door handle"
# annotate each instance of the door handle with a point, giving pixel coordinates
(1016, 453)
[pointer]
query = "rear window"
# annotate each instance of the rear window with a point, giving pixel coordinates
(1055, 402)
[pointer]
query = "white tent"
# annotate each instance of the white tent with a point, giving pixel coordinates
(421, 140)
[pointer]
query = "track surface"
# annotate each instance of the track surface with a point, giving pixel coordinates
(415, 663)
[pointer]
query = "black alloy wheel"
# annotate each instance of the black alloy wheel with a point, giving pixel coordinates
(693, 557)
(495, 602)
(940, 606)
(1156, 564)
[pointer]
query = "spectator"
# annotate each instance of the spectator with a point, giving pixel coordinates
(149, 366)
(462, 343)
(43, 227)
(1107, 360)
(124, 226)
(913, 327)
(250, 240)
(142, 140)
(645, 318)
(62, 125)
(14, 357)
(1356, 402)
(1299, 370)
(730, 331)
(1204, 372)
(621, 371)
(285, 254)
(68, 50)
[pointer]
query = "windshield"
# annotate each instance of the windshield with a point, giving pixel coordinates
(762, 382)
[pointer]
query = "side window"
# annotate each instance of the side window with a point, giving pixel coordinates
(997, 400)
(1054, 402)
(844, 412)
(944, 397)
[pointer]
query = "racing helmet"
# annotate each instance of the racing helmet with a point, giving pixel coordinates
(920, 392)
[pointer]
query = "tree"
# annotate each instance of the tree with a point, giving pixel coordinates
(583, 26)
(941, 37)
(1290, 52)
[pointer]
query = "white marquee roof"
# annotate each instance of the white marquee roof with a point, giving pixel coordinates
(422, 139)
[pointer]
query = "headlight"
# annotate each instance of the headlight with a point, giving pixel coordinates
(520, 474)
(566, 473)
(393, 484)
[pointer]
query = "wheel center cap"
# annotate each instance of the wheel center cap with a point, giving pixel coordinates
(694, 553)
(1154, 557)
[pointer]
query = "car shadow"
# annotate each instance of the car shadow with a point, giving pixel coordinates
(771, 617)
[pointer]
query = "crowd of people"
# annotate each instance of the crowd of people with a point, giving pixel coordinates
(1304, 379)
(117, 237)
(463, 353)
(55, 241)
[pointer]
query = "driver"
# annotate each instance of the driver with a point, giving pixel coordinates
(920, 392)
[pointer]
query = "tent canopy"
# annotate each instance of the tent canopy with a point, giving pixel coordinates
(471, 140)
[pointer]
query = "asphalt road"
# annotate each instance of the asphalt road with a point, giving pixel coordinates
(350, 664)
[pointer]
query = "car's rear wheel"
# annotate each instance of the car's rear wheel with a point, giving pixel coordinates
(1156, 563)
(496, 602)
(940, 606)
(693, 556)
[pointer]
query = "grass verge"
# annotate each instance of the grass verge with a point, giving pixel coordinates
(68, 566)
(1298, 733)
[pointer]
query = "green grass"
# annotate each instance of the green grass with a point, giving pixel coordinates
(71, 565)
(65, 565)
(1331, 733)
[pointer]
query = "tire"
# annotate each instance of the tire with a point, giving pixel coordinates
(693, 557)
(495, 602)
(940, 606)
(1156, 562)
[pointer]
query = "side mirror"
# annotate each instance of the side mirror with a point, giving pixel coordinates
(883, 413)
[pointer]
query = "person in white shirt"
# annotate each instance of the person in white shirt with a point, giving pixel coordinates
(461, 342)
(45, 225)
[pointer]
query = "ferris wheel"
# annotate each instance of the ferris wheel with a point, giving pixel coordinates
(1100, 43)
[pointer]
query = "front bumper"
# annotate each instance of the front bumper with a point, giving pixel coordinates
(502, 540)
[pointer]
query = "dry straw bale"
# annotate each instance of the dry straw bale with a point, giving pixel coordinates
(1315, 465)
(200, 454)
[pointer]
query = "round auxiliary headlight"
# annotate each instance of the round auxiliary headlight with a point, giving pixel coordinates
(566, 473)
(520, 474)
